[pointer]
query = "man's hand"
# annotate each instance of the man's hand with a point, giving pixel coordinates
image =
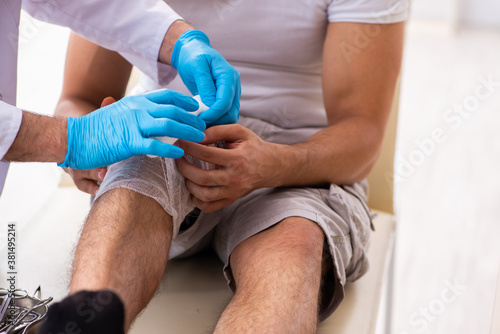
(247, 163)
(205, 72)
(122, 129)
(87, 180)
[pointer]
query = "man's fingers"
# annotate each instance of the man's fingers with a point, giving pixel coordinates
(205, 194)
(87, 186)
(96, 174)
(210, 206)
(107, 101)
(86, 180)
(213, 155)
(202, 177)
(167, 96)
(227, 132)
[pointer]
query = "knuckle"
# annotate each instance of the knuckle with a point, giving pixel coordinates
(204, 154)
(238, 129)
(238, 181)
(222, 179)
(237, 165)
(205, 194)
(205, 180)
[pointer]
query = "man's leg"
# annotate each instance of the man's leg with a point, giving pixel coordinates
(123, 247)
(278, 275)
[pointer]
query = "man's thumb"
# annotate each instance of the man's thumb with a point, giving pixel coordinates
(107, 101)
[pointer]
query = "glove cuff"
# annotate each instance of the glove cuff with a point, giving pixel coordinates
(66, 162)
(185, 38)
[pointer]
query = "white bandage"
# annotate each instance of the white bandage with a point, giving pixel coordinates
(171, 140)
(202, 108)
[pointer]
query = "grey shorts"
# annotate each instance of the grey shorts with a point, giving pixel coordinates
(341, 212)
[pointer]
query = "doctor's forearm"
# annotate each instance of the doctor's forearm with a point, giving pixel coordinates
(40, 138)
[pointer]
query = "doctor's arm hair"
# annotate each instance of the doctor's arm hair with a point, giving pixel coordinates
(40, 138)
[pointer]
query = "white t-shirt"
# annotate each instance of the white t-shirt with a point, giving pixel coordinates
(277, 45)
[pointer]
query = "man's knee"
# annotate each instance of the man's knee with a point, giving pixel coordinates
(300, 235)
(118, 197)
(121, 208)
(295, 240)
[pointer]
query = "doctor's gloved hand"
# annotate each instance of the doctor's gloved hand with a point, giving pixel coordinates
(205, 72)
(122, 129)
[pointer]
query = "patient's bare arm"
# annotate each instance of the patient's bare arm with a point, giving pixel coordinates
(357, 91)
(91, 74)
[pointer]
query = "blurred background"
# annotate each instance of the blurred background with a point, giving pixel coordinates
(446, 178)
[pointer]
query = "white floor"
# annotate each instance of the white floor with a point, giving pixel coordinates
(447, 193)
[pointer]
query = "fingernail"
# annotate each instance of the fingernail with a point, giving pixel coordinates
(95, 192)
(101, 175)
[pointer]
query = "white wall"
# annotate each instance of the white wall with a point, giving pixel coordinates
(433, 10)
(42, 53)
(467, 12)
(481, 12)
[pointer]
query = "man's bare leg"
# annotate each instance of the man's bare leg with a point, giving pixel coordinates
(277, 274)
(123, 247)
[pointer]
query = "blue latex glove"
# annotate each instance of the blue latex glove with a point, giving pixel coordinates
(205, 72)
(121, 130)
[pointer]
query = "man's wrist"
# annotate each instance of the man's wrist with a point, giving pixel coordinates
(289, 163)
(173, 33)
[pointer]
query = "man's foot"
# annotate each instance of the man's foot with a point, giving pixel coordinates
(92, 312)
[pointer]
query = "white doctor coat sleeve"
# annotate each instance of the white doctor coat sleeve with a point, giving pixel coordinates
(134, 28)
(10, 122)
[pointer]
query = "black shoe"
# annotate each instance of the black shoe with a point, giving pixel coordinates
(91, 312)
